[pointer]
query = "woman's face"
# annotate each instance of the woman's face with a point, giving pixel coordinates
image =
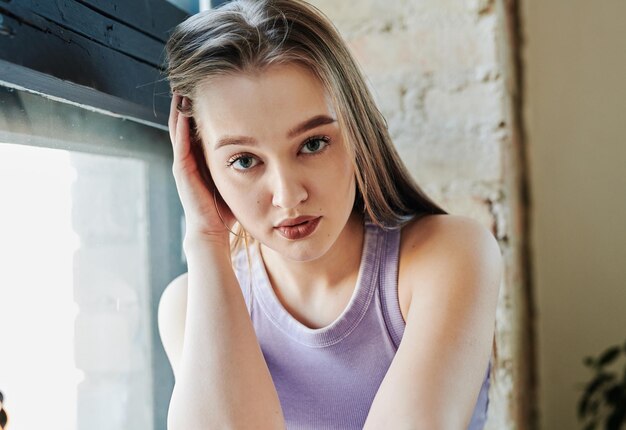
(275, 152)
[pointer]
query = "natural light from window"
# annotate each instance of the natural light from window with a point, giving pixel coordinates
(37, 309)
(75, 337)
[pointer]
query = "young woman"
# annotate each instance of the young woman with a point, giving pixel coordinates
(324, 289)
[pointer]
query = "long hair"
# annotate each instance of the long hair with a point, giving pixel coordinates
(251, 35)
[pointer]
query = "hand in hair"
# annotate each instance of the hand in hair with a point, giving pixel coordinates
(206, 214)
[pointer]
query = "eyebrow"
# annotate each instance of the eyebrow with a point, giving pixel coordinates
(307, 125)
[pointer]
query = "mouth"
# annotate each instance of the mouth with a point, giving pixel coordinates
(294, 222)
(295, 225)
(300, 230)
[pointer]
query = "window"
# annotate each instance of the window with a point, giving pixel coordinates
(90, 222)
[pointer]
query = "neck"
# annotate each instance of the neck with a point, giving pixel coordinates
(336, 268)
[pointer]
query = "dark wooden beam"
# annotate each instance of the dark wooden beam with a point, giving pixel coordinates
(153, 17)
(74, 41)
(18, 77)
(77, 18)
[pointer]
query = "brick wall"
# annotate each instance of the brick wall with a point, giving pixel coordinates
(443, 73)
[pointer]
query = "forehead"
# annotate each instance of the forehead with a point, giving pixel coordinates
(260, 104)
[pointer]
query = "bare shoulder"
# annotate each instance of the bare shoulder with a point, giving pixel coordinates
(451, 266)
(171, 318)
(443, 246)
(446, 231)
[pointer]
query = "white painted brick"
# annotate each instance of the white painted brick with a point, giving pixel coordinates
(466, 110)
(440, 71)
(446, 162)
(426, 49)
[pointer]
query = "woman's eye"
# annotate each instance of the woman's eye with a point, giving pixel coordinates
(242, 162)
(245, 162)
(316, 144)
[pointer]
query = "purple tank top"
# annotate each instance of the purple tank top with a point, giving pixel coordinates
(327, 378)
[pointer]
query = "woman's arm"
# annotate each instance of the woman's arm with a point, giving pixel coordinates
(434, 380)
(222, 380)
(171, 319)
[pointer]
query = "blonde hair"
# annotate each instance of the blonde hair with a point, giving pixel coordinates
(251, 35)
(246, 36)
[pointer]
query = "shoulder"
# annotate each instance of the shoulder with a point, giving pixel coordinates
(449, 246)
(171, 318)
(451, 266)
(447, 231)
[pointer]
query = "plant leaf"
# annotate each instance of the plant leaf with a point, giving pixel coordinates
(597, 382)
(590, 426)
(609, 355)
(616, 418)
(594, 407)
(614, 395)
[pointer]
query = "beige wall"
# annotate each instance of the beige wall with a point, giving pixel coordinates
(575, 118)
(443, 75)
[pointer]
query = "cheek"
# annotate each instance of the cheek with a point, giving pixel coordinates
(342, 184)
(344, 175)
(350, 178)
(242, 199)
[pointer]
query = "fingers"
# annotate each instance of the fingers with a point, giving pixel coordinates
(173, 118)
(181, 139)
(198, 154)
(176, 119)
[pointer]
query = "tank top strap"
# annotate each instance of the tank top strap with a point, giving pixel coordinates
(388, 283)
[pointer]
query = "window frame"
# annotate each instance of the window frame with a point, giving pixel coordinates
(107, 56)
(91, 44)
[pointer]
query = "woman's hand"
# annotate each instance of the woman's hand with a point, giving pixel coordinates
(194, 183)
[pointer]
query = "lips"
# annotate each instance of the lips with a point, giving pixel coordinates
(298, 231)
(295, 221)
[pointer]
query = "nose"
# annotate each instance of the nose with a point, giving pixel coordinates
(288, 191)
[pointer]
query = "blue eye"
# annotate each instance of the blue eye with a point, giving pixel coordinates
(314, 144)
(244, 161)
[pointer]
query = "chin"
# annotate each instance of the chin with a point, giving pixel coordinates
(300, 250)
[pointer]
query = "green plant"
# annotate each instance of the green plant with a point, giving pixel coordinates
(604, 397)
